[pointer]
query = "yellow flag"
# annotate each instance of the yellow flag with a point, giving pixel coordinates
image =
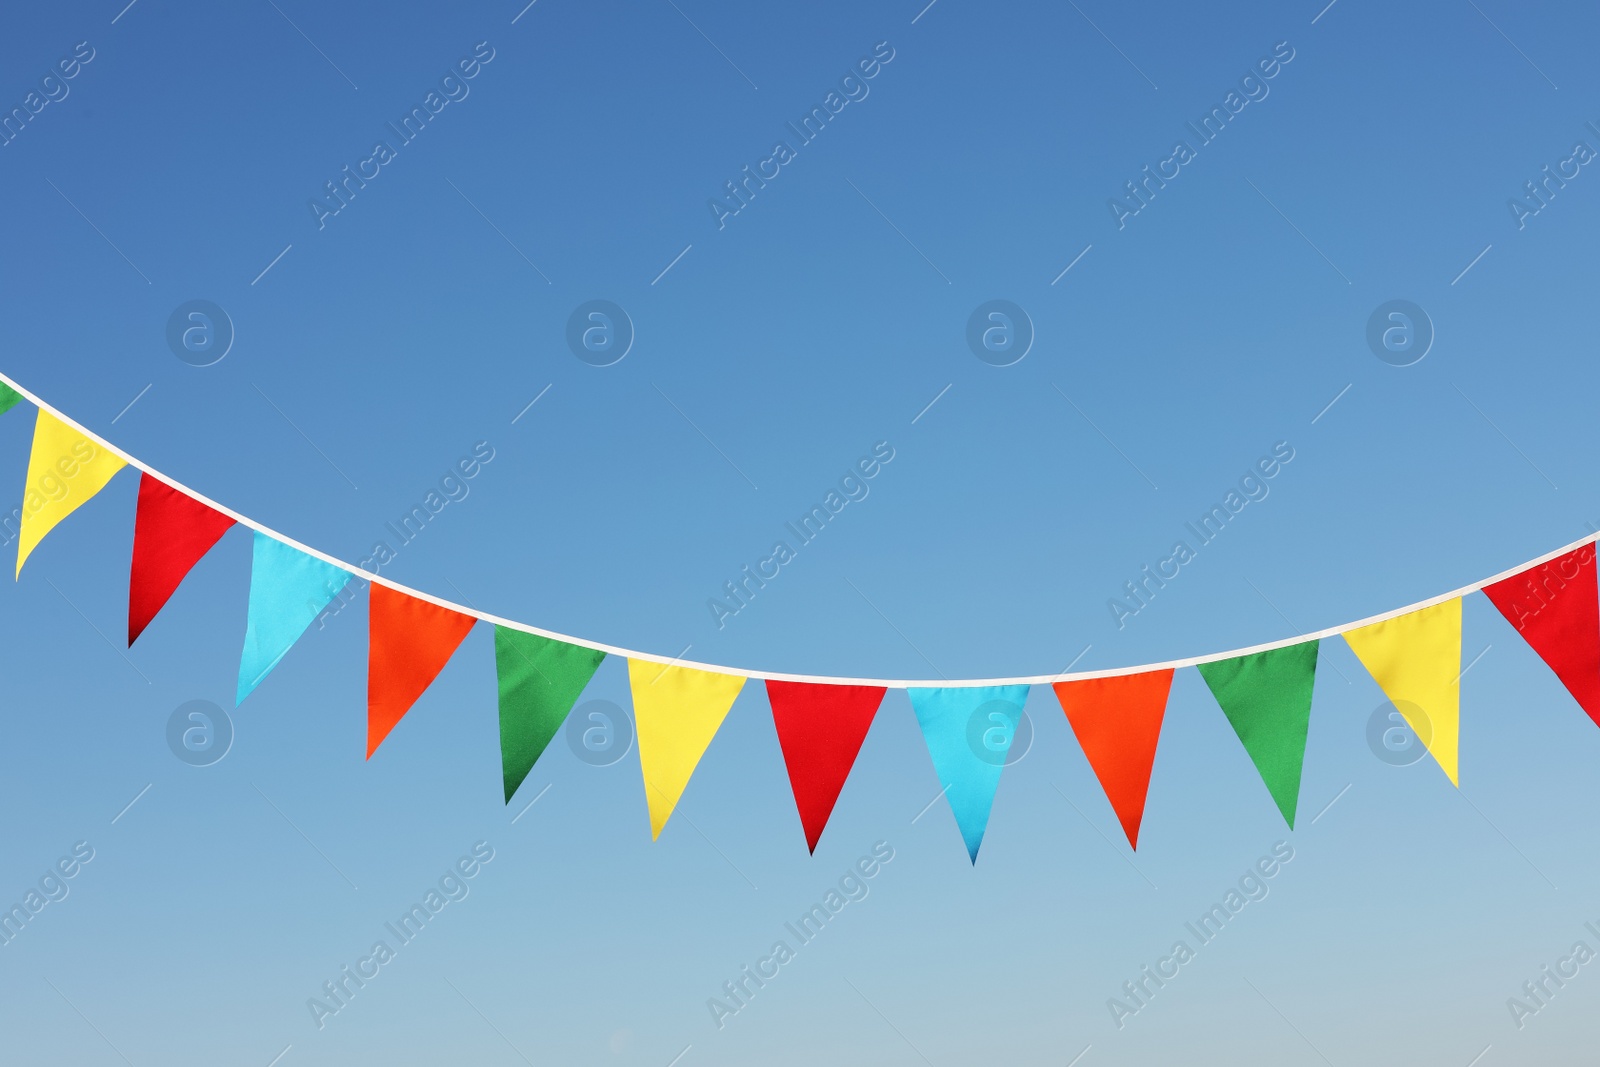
(1416, 661)
(677, 712)
(65, 469)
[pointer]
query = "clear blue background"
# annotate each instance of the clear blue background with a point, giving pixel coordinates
(407, 329)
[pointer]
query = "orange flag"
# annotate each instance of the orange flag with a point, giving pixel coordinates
(409, 642)
(1117, 722)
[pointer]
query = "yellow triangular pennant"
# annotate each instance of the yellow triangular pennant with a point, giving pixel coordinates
(1416, 661)
(677, 711)
(65, 469)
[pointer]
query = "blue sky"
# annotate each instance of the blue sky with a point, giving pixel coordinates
(374, 350)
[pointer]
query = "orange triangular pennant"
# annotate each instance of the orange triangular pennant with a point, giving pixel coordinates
(1117, 722)
(409, 642)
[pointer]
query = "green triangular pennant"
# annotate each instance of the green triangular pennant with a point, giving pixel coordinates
(1267, 698)
(9, 398)
(540, 679)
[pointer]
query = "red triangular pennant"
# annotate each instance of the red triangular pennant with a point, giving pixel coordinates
(1556, 608)
(1117, 722)
(409, 642)
(171, 531)
(820, 728)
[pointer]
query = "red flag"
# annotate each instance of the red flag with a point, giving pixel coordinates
(1556, 608)
(171, 531)
(820, 728)
(409, 642)
(1117, 722)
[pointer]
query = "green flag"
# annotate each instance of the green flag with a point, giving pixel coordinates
(1267, 698)
(540, 679)
(9, 398)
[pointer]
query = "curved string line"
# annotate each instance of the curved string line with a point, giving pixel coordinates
(673, 661)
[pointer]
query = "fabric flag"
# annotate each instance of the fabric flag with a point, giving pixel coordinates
(820, 729)
(968, 730)
(287, 590)
(1117, 722)
(539, 680)
(9, 398)
(171, 531)
(65, 469)
(677, 711)
(409, 640)
(1267, 698)
(1556, 608)
(1416, 660)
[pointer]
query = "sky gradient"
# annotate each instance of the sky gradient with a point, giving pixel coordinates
(441, 312)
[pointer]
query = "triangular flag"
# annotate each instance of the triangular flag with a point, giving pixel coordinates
(539, 679)
(1267, 698)
(677, 711)
(1117, 722)
(1416, 660)
(1556, 608)
(409, 640)
(9, 398)
(65, 469)
(820, 729)
(287, 591)
(968, 730)
(171, 531)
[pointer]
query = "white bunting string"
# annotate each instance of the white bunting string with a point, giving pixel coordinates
(891, 683)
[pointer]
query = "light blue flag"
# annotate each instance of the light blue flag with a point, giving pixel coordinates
(287, 591)
(969, 730)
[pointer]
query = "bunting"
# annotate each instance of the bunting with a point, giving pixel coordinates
(409, 642)
(1117, 722)
(171, 531)
(1416, 660)
(1556, 608)
(288, 588)
(820, 729)
(1267, 698)
(65, 469)
(1414, 655)
(677, 711)
(968, 730)
(539, 680)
